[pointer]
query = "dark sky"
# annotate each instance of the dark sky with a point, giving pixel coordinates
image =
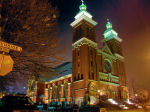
(130, 18)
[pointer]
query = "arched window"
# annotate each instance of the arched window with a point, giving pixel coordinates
(91, 63)
(78, 52)
(92, 75)
(66, 90)
(81, 76)
(59, 91)
(89, 76)
(108, 65)
(54, 92)
(33, 84)
(74, 78)
(91, 52)
(78, 76)
(49, 92)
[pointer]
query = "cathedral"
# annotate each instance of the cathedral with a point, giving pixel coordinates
(93, 73)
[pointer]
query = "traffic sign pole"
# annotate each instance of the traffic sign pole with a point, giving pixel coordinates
(1, 62)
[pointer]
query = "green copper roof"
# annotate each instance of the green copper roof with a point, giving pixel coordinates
(108, 25)
(82, 7)
(83, 11)
(83, 14)
(110, 33)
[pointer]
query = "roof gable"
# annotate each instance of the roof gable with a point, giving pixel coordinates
(107, 50)
(60, 71)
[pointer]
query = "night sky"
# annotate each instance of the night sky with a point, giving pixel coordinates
(130, 18)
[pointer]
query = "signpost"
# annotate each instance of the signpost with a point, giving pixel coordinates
(7, 46)
(6, 62)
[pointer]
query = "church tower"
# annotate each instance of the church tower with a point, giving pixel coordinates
(112, 39)
(114, 43)
(84, 53)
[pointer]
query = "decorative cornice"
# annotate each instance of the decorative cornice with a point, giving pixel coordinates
(109, 83)
(83, 13)
(83, 17)
(78, 81)
(105, 74)
(61, 78)
(80, 89)
(82, 41)
(109, 77)
(101, 52)
(46, 89)
(119, 56)
(113, 56)
(69, 83)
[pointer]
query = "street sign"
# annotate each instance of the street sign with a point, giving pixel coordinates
(10, 46)
(4, 49)
(6, 64)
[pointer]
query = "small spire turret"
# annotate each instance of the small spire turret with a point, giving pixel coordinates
(83, 14)
(82, 7)
(109, 24)
(110, 33)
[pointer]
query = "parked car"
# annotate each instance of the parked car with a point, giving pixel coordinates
(51, 106)
(70, 108)
(90, 108)
(40, 106)
(66, 108)
(17, 103)
(75, 106)
(54, 107)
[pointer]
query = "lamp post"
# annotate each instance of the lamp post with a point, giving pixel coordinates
(99, 95)
(102, 95)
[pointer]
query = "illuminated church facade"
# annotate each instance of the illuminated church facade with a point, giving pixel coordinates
(93, 74)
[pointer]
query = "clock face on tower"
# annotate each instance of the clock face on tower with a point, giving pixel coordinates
(107, 66)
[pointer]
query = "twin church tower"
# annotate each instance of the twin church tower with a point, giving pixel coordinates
(96, 71)
(93, 74)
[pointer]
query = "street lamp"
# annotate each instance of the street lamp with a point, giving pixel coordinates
(102, 95)
(99, 91)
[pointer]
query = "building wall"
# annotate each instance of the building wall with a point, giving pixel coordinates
(56, 91)
(90, 78)
(95, 72)
(89, 66)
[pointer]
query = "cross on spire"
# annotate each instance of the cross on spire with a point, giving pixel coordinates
(82, 1)
(108, 25)
(82, 6)
(107, 20)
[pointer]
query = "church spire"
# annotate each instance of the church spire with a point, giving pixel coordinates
(108, 25)
(83, 14)
(110, 33)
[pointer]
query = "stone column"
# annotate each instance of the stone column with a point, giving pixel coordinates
(50, 94)
(46, 95)
(69, 92)
(62, 92)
